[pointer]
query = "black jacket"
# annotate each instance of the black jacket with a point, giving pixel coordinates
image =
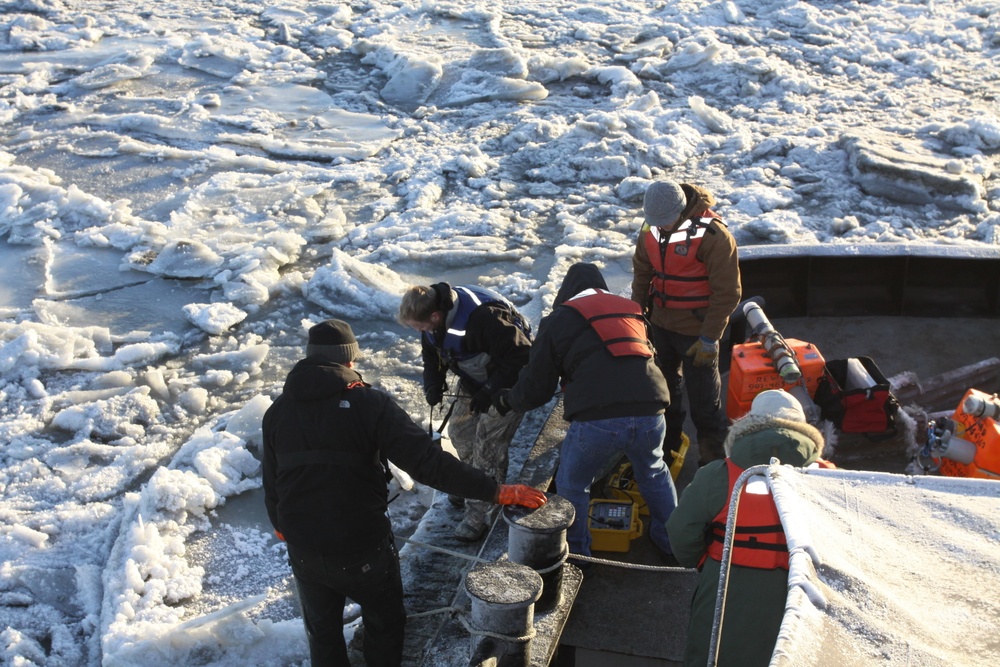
(597, 384)
(324, 486)
(493, 329)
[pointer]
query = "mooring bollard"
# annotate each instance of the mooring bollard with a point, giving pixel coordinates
(537, 539)
(503, 596)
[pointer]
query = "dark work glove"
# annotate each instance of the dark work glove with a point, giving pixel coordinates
(480, 402)
(434, 394)
(501, 403)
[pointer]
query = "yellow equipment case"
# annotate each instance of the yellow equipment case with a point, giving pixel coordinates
(613, 525)
(621, 485)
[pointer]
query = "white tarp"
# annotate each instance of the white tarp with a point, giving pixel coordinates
(908, 569)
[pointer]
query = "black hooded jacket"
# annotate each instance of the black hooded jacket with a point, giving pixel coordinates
(324, 486)
(494, 329)
(597, 384)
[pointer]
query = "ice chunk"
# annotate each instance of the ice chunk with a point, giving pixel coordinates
(214, 318)
(716, 120)
(179, 259)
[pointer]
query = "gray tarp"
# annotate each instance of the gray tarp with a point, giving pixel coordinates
(908, 569)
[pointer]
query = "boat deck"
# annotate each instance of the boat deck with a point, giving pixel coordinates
(635, 618)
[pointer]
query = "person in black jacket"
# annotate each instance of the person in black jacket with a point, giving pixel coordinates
(595, 343)
(326, 440)
(478, 335)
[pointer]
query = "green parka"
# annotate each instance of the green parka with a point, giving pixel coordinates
(755, 599)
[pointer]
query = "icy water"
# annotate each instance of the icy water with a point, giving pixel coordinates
(186, 186)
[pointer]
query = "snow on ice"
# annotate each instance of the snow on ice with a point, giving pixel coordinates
(186, 186)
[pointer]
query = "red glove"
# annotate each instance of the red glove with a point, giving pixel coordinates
(520, 494)
(279, 536)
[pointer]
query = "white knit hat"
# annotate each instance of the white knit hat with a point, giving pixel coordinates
(777, 403)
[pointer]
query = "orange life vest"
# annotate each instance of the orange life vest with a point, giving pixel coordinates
(759, 540)
(617, 320)
(680, 279)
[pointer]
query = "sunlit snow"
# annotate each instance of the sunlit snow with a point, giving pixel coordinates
(186, 186)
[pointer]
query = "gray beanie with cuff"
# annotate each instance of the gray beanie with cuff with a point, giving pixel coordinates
(663, 203)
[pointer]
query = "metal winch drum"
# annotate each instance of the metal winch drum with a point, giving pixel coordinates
(537, 539)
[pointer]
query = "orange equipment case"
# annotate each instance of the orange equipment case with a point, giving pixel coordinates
(752, 371)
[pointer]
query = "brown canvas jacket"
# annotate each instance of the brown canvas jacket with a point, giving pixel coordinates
(718, 252)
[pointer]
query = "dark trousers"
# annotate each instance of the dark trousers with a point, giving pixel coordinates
(703, 387)
(371, 580)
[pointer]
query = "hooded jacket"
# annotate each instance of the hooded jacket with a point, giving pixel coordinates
(752, 440)
(717, 250)
(493, 348)
(597, 384)
(325, 486)
(748, 638)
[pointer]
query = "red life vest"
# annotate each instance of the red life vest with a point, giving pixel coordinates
(759, 540)
(617, 320)
(680, 279)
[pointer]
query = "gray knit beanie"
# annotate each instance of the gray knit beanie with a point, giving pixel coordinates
(663, 204)
(334, 341)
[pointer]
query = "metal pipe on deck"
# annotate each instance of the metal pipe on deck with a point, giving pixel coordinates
(977, 406)
(774, 344)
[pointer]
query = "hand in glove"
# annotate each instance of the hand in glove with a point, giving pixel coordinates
(480, 402)
(520, 494)
(434, 394)
(705, 351)
(279, 535)
(501, 403)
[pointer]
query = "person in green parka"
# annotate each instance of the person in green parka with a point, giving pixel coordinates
(758, 578)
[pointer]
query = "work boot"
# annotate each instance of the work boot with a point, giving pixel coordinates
(472, 529)
(456, 501)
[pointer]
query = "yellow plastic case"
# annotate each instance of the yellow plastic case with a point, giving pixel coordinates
(622, 486)
(613, 525)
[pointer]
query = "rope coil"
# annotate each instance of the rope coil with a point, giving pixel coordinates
(631, 566)
(485, 633)
(556, 565)
(450, 552)
(432, 612)
(566, 555)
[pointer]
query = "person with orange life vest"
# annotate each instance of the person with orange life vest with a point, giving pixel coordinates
(595, 345)
(686, 275)
(327, 441)
(757, 584)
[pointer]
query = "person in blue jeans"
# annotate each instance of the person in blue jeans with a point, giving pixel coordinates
(596, 346)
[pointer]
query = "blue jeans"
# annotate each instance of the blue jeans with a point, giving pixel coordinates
(373, 581)
(588, 450)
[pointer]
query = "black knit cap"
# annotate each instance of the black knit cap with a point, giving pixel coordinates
(334, 341)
